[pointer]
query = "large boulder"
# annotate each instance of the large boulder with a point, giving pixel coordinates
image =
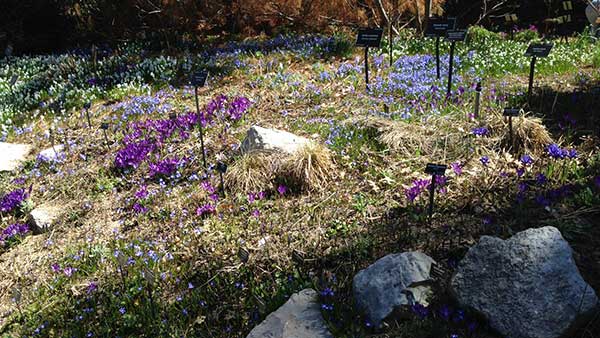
(527, 286)
(300, 317)
(389, 282)
(13, 155)
(263, 139)
(43, 218)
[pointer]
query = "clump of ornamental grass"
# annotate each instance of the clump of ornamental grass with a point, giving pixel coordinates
(254, 171)
(373, 123)
(310, 168)
(529, 133)
(438, 137)
(407, 138)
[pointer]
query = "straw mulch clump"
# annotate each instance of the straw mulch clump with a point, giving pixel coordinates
(439, 138)
(254, 171)
(309, 169)
(529, 133)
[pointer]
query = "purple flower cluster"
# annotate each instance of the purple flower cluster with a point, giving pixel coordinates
(557, 152)
(421, 185)
(227, 109)
(13, 200)
(166, 167)
(12, 231)
(480, 131)
(146, 137)
(205, 209)
(526, 160)
(133, 154)
(457, 168)
(238, 108)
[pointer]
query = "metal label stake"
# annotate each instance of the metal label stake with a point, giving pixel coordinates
(370, 37)
(435, 170)
(453, 36)
(535, 50)
(477, 100)
(104, 127)
(222, 169)
(87, 113)
(510, 113)
(199, 80)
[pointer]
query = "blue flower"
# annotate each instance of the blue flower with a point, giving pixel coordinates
(420, 310)
(541, 179)
(555, 151)
(480, 131)
(526, 160)
(484, 160)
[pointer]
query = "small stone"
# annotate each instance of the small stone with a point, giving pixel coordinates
(13, 155)
(384, 285)
(52, 154)
(527, 286)
(43, 218)
(263, 139)
(300, 317)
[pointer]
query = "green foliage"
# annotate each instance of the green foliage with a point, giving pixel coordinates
(478, 34)
(526, 35)
(596, 57)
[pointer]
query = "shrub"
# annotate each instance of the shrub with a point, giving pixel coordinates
(527, 35)
(478, 34)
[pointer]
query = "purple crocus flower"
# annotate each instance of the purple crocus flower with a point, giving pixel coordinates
(480, 131)
(12, 231)
(93, 286)
(68, 271)
(282, 189)
(55, 268)
(484, 160)
(445, 312)
(555, 151)
(526, 160)
(420, 310)
(166, 167)
(541, 179)
(142, 193)
(416, 189)
(133, 154)
(456, 167)
(13, 200)
(139, 209)
(205, 209)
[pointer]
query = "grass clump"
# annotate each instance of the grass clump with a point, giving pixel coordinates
(308, 169)
(529, 133)
(254, 171)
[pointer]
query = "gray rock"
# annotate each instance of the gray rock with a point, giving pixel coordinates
(592, 16)
(527, 286)
(264, 139)
(300, 317)
(385, 284)
(43, 218)
(13, 155)
(52, 154)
